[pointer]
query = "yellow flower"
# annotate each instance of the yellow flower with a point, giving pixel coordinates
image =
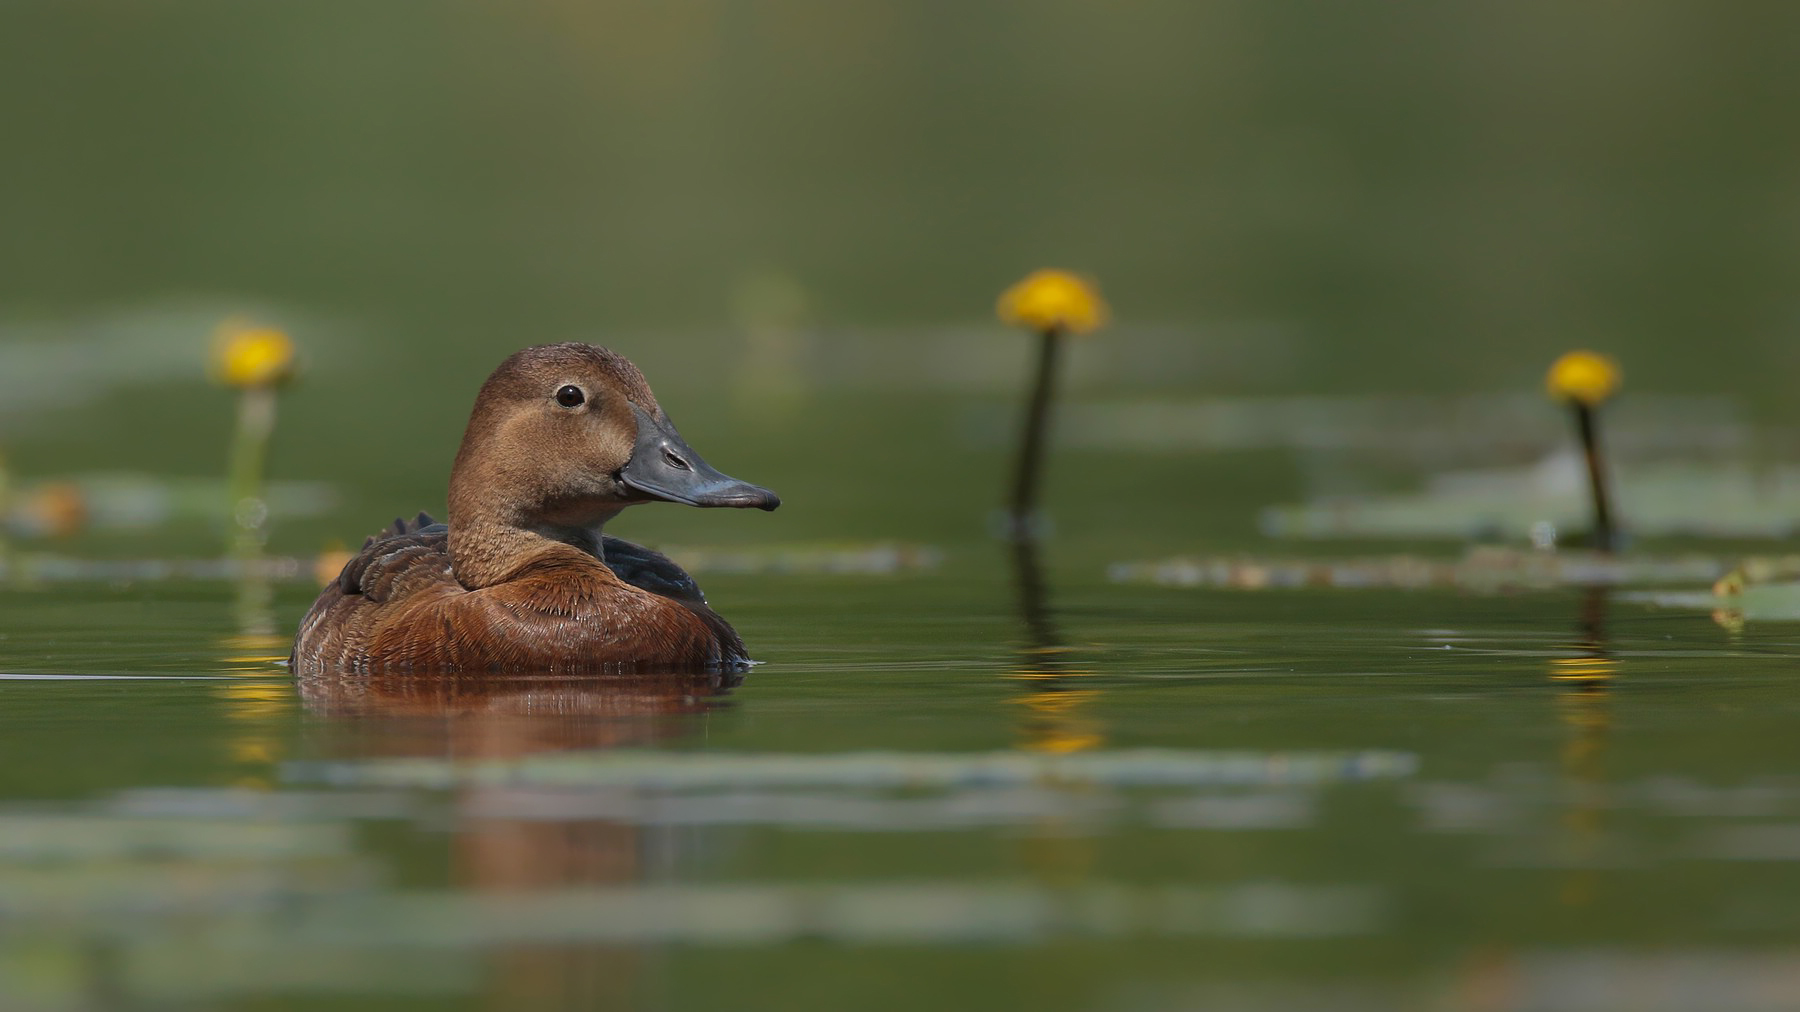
(1053, 300)
(1584, 377)
(246, 356)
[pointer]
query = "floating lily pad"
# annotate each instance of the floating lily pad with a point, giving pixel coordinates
(1771, 602)
(868, 770)
(877, 558)
(43, 567)
(127, 501)
(1484, 569)
(1725, 500)
(1420, 428)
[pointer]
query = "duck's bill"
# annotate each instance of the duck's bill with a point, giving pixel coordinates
(663, 466)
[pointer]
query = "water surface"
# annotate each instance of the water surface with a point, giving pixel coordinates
(1150, 798)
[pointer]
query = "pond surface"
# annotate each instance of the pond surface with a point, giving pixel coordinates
(1145, 798)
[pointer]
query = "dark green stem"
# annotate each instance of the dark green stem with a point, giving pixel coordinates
(1031, 441)
(1606, 536)
(1034, 603)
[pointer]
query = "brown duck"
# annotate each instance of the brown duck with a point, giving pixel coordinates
(562, 438)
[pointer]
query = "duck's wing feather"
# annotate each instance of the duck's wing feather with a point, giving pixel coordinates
(652, 571)
(648, 569)
(394, 562)
(408, 558)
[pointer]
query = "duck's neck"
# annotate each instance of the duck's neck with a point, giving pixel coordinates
(489, 548)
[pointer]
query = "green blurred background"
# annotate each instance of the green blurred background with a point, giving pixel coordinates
(796, 216)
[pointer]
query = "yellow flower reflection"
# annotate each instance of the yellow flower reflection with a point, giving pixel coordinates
(255, 651)
(251, 356)
(1057, 724)
(255, 709)
(1583, 669)
(258, 700)
(1586, 715)
(1048, 300)
(1584, 711)
(1583, 377)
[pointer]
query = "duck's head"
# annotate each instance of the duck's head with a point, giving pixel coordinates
(564, 436)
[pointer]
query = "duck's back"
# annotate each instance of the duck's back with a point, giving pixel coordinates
(397, 606)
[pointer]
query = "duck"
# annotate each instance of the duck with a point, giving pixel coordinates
(562, 438)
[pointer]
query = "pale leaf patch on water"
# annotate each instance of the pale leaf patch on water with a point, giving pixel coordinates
(1486, 569)
(868, 770)
(1426, 430)
(127, 501)
(1775, 841)
(774, 913)
(874, 558)
(1738, 596)
(58, 838)
(1729, 499)
(880, 558)
(1531, 819)
(1613, 979)
(843, 811)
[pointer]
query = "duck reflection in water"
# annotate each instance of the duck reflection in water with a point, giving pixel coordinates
(518, 839)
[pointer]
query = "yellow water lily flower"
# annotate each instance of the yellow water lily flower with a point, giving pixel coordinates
(1583, 377)
(1053, 300)
(246, 356)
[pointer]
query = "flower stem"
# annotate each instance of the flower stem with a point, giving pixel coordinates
(247, 508)
(1606, 536)
(1031, 441)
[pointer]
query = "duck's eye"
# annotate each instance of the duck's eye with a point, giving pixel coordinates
(570, 396)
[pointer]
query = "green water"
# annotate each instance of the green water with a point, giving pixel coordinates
(1341, 244)
(1381, 799)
